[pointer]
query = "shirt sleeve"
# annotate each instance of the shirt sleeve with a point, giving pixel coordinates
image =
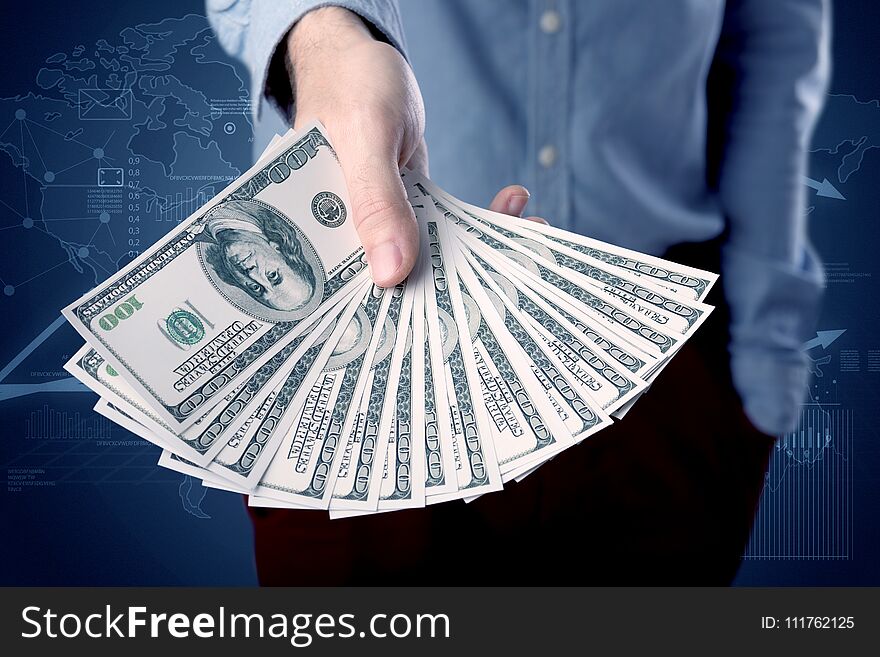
(769, 81)
(253, 30)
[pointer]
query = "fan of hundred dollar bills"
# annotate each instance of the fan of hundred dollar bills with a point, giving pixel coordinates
(251, 346)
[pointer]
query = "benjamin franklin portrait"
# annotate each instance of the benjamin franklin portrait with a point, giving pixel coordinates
(252, 253)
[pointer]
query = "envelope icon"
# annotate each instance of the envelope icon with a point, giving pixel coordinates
(105, 104)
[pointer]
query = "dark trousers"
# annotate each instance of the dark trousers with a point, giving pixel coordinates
(665, 496)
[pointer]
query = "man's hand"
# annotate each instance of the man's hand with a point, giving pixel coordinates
(366, 95)
(512, 200)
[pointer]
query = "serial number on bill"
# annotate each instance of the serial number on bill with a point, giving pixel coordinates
(808, 623)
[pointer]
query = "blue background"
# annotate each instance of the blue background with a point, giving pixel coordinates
(84, 502)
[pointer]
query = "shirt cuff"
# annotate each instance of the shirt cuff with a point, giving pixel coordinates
(773, 310)
(771, 389)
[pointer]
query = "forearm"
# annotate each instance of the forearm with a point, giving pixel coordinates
(319, 36)
(323, 31)
(256, 31)
(771, 73)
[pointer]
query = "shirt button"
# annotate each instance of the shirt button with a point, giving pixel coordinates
(547, 156)
(550, 22)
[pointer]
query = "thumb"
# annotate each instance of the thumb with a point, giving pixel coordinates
(383, 217)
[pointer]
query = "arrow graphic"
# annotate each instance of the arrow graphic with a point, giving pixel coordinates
(15, 390)
(27, 351)
(823, 338)
(824, 188)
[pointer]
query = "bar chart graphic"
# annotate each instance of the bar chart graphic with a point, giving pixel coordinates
(176, 207)
(806, 510)
(47, 423)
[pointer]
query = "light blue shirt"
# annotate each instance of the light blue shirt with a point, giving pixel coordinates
(599, 108)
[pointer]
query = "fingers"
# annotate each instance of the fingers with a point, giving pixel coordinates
(512, 200)
(383, 217)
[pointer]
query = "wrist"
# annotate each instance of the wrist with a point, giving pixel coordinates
(323, 31)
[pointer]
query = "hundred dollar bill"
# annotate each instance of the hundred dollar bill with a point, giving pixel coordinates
(660, 327)
(646, 303)
(251, 443)
(403, 484)
(236, 414)
(170, 461)
(505, 235)
(569, 395)
(272, 503)
(118, 416)
(641, 331)
(167, 459)
(477, 470)
(631, 352)
(523, 421)
(687, 282)
(440, 458)
(244, 460)
(200, 442)
(637, 362)
(267, 253)
(356, 484)
(283, 405)
(435, 466)
(302, 470)
(392, 485)
(403, 480)
(91, 369)
(637, 330)
(610, 384)
(660, 306)
(440, 461)
(630, 349)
